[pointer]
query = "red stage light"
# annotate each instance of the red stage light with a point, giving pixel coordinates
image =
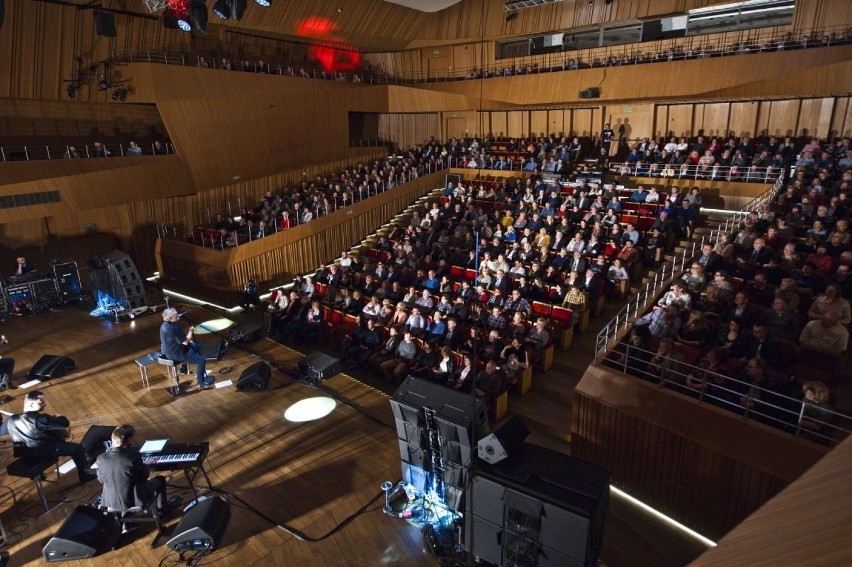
(334, 60)
(315, 26)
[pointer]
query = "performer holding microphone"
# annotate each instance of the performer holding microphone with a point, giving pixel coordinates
(180, 347)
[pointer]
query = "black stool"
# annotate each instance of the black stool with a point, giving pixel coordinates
(171, 367)
(35, 471)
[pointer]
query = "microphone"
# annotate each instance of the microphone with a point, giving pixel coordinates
(184, 313)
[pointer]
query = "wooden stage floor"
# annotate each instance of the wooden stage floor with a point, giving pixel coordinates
(309, 477)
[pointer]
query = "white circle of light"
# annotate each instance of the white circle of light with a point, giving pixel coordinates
(310, 409)
(212, 326)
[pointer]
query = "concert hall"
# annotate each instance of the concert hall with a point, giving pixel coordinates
(522, 283)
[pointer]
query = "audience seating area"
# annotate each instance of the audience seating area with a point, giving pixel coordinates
(759, 323)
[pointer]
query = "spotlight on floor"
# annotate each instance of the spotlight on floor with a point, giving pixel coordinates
(310, 409)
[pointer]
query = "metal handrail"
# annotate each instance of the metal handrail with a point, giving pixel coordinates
(722, 390)
(714, 173)
(636, 306)
(33, 152)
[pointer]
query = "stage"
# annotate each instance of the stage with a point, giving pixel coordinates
(308, 477)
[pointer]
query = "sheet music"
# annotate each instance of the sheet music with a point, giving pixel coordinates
(153, 445)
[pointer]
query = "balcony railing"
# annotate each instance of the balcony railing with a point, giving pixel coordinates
(34, 152)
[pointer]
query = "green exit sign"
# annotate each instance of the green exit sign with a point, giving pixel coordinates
(89, 227)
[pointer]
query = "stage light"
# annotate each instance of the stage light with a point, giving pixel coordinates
(310, 409)
(221, 9)
(264, 3)
(198, 15)
(237, 8)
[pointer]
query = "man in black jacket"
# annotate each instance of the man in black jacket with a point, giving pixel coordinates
(38, 436)
(125, 476)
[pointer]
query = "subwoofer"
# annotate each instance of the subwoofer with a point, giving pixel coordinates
(212, 349)
(202, 527)
(83, 534)
(255, 377)
(52, 366)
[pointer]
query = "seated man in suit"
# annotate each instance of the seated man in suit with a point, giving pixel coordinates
(125, 476)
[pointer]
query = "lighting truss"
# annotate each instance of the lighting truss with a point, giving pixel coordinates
(155, 5)
(510, 6)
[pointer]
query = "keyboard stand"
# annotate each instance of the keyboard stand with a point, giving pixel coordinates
(191, 472)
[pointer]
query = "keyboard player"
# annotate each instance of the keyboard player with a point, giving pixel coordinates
(125, 476)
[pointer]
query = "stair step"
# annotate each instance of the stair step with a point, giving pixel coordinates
(542, 414)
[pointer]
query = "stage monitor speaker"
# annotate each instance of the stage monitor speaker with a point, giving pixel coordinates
(212, 349)
(85, 532)
(105, 23)
(95, 440)
(319, 366)
(254, 378)
(52, 366)
(246, 332)
(202, 527)
(505, 439)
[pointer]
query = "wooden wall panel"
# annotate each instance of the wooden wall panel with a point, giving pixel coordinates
(538, 123)
(582, 122)
(842, 117)
(815, 117)
(701, 465)
(783, 117)
(630, 120)
(743, 118)
(517, 123)
(680, 120)
(717, 114)
(499, 124)
(558, 122)
(408, 130)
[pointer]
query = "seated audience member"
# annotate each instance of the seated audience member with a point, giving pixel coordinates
(696, 331)
(676, 295)
(666, 364)
(817, 414)
(732, 340)
(462, 377)
(445, 367)
(538, 338)
(709, 376)
(744, 311)
(514, 359)
(825, 333)
(759, 291)
(394, 369)
(424, 362)
(662, 322)
(780, 321)
(488, 382)
(694, 278)
(831, 301)
(251, 295)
